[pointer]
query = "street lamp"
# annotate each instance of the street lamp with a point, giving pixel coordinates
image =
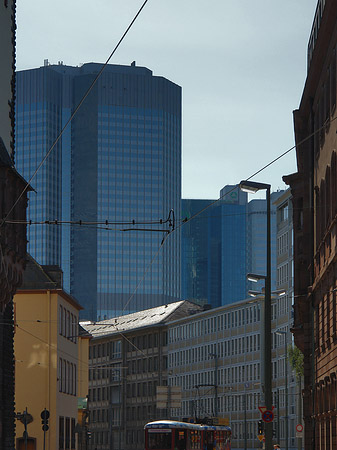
(284, 333)
(215, 356)
(253, 187)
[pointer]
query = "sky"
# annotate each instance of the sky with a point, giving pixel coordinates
(241, 65)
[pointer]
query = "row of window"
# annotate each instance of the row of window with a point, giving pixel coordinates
(325, 104)
(68, 324)
(108, 349)
(226, 376)
(226, 348)
(67, 377)
(225, 321)
(233, 402)
(283, 243)
(113, 349)
(283, 274)
(142, 389)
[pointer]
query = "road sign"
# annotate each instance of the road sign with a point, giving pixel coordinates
(262, 409)
(299, 428)
(260, 437)
(268, 416)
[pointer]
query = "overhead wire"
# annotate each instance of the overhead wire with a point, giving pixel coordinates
(75, 111)
(187, 219)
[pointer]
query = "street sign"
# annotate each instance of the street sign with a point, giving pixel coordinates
(268, 416)
(299, 428)
(262, 409)
(260, 437)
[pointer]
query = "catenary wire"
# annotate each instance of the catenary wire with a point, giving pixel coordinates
(76, 110)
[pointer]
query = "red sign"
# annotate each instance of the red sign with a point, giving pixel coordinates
(262, 409)
(268, 416)
(299, 428)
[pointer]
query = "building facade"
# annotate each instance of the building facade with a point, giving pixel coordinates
(118, 161)
(50, 371)
(222, 244)
(128, 361)
(313, 189)
(256, 238)
(13, 203)
(216, 358)
(214, 249)
(207, 363)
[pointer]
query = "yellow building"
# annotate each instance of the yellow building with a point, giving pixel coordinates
(51, 369)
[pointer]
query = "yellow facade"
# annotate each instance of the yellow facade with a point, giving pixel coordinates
(51, 365)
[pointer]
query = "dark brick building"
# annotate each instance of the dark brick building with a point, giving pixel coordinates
(314, 190)
(13, 203)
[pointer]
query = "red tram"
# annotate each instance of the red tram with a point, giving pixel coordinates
(171, 435)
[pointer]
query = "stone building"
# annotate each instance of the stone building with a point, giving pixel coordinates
(314, 194)
(13, 203)
(127, 361)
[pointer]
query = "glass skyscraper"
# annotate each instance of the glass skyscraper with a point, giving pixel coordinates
(224, 243)
(214, 249)
(118, 161)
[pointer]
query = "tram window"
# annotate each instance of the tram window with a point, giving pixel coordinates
(194, 440)
(160, 441)
(180, 440)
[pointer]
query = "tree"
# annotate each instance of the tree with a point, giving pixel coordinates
(296, 361)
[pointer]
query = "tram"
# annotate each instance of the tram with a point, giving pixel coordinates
(171, 435)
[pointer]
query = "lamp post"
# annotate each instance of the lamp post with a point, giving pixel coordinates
(215, 356)
(253, 187)
(284, 333)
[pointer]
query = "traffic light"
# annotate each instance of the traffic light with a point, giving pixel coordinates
(274, 432)
(260, 427)
(45, 416)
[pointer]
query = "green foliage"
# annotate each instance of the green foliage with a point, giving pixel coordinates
(295, 357)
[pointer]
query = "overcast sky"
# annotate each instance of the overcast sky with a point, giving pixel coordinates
(241, 65)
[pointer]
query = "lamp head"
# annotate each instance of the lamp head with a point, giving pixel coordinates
(255, 277)
(252, 187)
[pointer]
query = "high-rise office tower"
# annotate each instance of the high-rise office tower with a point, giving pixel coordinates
(256, 239)
(214, 249)
(118, 161)
(224, 243)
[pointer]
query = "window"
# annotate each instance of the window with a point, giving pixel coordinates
(61, 320)
(61, 433)
(67, 434)
(73, 440)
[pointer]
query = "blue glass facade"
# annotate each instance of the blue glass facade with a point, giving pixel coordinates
(224, 243)
(214, 249)
(256, 239)
(120, 161)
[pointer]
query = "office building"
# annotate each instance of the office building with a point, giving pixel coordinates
(222, 244)
(127, 362)
(256, 238)
(118, 161)
(208, 363)
(214, 249)
(313, 189)
(216, 357)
